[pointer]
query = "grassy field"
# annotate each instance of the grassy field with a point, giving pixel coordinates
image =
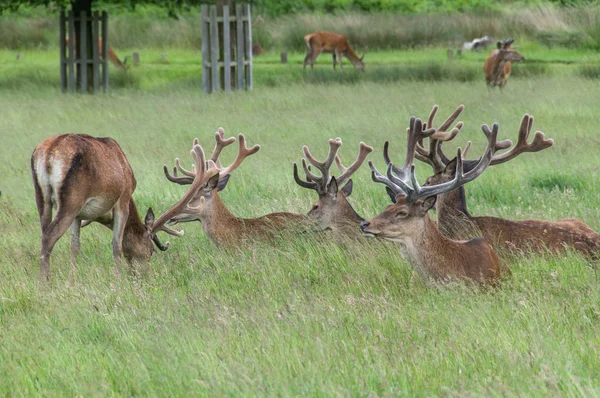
(303, 317)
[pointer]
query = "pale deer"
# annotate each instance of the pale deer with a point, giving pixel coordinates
(206, 206)
(332, 210)
(88, 178)
(327, 42)
(498, 65)
(527, 236)
(407, 223)
(112, 56)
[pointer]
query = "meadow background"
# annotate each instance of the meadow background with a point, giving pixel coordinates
(308, 316)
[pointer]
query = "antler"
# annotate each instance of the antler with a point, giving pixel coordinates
(360, 159)
(407, 183)
(313, 181)
(539, 142)
(243, 153)
(221, 143)
(203, 172)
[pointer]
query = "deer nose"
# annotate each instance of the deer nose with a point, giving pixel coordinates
(364, 225)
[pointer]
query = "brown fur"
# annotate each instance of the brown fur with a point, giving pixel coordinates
(223, 228)
(333, 211)
(328, 42)
(431, 253)
(112, 56)
(87, 178)
(498, 65)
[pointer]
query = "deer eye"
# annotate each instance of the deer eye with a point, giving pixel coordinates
(315, 207)
(401, 214)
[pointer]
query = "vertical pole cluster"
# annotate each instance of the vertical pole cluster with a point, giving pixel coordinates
(226, 48)
(74, 58)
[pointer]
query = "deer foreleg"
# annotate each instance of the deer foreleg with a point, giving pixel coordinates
(334, 60)
(121, 213)
(339, 56)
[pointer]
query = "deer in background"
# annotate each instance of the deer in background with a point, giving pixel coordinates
(528, 236)
(497, 66)
(87, 178)
(206, 206)
(407, 223)
(327, 42)
(332, 210)
(112, 56)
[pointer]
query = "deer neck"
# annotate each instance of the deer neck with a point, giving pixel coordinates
(134, 227)
(498, 66)
(218, 220)
(450, 206)
(348, 214)
(351, 55)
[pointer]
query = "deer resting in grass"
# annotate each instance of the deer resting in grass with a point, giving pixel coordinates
(87, 178)
(407, 223)
(327, 42)
(527, 236)
(206, 206)
(332, 210)
(497, 66)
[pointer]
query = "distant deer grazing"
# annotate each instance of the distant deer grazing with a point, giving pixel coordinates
(332, 210)
(112, 56)
(205, 205)
(497, 66)
(87, 178)
(406, 221)
(327, 42)
(528, 236)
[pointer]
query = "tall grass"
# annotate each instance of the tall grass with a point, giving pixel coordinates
(549, 24)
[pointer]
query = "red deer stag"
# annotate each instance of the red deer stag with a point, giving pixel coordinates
(332, 210)
(206, 206)
(528, 236)
(497, 66)
(88, 178)
(327, 42)
(406, 221)
(112, 56)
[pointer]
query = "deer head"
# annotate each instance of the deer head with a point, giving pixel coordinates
(506, 53)
(404, 220)
(199, 205)
(332, 210)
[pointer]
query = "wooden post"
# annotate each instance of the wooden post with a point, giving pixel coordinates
(226, 50)
(240, 46)
(450, 54)
(105, 51)
(136, 59)
(95, 53)
(205, 53)
(71, 76)
(63, 50)
(214, 49)
(248, 48)
(284, 57)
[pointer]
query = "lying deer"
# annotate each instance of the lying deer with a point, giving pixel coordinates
(112, 56)
(206, 206)
(87, 178)
(406, 221)
(332, 210)
(327, 42)
(497, 66)
(527, 236)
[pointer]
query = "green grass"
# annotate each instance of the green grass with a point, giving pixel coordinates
(305, 317)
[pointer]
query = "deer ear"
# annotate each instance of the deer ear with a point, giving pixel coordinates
(347, 189)
(213, 182)
(149, 219)
(391, 194)
(427, 204)
(499, 44)
(332, 188)
(451, 167)
(223, 182)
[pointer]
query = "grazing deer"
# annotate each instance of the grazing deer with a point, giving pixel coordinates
(112, 56)
(88, 178)
(327, 42)
(497, 66)
(528, 236)
(406, 221)
(206, 206)
(332, 210)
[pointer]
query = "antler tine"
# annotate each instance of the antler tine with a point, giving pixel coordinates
(243, 153)
(360, 159)
(199, 180)
(378, 177)
(538, 143)
(184, 171)
(175, 178)
(323, 167)
(417, 132)
(302, 183)
(461, 177)
(221, 143)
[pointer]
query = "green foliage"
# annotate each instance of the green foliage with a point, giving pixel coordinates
(589, 71)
